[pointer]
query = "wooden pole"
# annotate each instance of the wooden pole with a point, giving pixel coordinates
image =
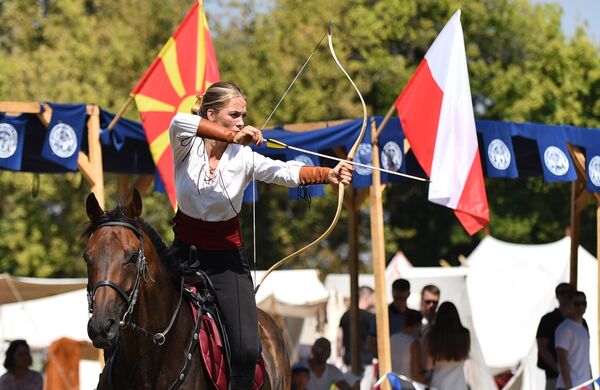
(575, 231)
(598, 262)
(120, 113)
(384, 122)
(353, 257)
(95, 154)
(377, 240)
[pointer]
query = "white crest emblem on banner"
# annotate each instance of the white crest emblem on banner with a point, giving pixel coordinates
(499, 154)
(364, 155)
(391, 157)
(63, 140)
(556, 161)
(594, 170)
(303, 158)
(9, 139)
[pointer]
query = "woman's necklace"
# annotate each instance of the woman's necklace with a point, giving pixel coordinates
(212, 171)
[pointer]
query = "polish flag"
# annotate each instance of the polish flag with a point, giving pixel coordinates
(436, 112)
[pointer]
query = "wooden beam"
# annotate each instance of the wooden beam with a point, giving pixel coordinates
(301, 127)
(598, 262)
(578, 160)
(353, 223)
(31, 107)
(378, 249)
(83, 163)
(141, 183)
(576, 190)
(95, 154)
(46, 116)
(20, 107)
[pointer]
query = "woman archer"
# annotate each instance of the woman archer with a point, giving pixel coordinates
(213, 166)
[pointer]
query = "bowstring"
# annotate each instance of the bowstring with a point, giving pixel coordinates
(253, 221)
(261, 129)
(293, 81)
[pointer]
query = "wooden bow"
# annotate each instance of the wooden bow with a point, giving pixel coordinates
(351, 155)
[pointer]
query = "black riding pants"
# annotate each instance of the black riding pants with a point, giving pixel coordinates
(230, 275)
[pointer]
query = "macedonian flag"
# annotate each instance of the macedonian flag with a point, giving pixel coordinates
(185, 66)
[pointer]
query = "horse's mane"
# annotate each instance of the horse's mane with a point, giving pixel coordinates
(164, 252)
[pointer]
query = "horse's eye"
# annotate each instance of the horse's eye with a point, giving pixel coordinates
(133, 257)
(86, 257)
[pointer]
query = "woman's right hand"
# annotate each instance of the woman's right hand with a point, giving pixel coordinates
(249, 135)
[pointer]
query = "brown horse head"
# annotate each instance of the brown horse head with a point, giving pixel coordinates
(116, 265)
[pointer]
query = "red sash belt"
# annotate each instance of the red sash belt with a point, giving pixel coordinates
(219, 235)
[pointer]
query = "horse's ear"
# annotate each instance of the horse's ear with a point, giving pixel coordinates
(93, 207)
(134, 208)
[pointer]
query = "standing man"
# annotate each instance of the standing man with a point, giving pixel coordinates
(396, 310)
(573, 347)
(546, 330)
(365, 316)
(430, 297)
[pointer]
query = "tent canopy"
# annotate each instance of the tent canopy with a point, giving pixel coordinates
(15, 289)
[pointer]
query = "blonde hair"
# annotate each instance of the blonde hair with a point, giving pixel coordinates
(216, 97)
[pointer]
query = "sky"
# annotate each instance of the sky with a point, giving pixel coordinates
(579, 12)
(576, 13)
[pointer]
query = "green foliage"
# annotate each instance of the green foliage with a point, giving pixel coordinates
(521, 67)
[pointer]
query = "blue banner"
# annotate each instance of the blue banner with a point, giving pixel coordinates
(64, 134)
(12, 141)
(362, 177)
(554, 156)
(391, 150)
(251, 192)
(499, 153)
(592, 159)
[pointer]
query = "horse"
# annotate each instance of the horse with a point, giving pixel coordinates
(138, 317)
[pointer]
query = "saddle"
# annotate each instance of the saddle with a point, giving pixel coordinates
(212, 339)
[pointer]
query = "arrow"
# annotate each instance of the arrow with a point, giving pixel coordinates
(273, 143)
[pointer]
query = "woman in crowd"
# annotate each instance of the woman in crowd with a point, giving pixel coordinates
(447, 345)
(17, 363)
(407, 358)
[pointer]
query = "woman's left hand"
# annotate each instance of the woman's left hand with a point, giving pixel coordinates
(342, 173)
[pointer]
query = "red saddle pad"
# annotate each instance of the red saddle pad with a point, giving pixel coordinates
(213, 355)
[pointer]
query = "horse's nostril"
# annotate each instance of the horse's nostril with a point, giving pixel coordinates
(109, 326)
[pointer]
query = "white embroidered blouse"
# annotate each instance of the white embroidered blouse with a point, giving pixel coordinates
(219, 198)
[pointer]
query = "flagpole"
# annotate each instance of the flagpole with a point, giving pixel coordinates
(120, 113)
(384, 122)
(378, 260)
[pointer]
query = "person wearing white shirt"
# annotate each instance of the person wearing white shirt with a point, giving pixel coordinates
(572, 341)
(322, 374)
(213, 165)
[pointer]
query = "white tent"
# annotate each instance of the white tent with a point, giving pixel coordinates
(511, 286)
(501, 296)
(291, 293)
(296, 296)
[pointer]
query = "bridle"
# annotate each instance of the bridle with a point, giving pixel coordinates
(131, 298)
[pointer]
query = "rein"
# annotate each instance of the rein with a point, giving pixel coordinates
(158, 338)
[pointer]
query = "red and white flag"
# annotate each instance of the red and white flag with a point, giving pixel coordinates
(436, 112)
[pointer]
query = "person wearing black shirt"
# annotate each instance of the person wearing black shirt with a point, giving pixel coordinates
(547, 359)
(365, 316)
